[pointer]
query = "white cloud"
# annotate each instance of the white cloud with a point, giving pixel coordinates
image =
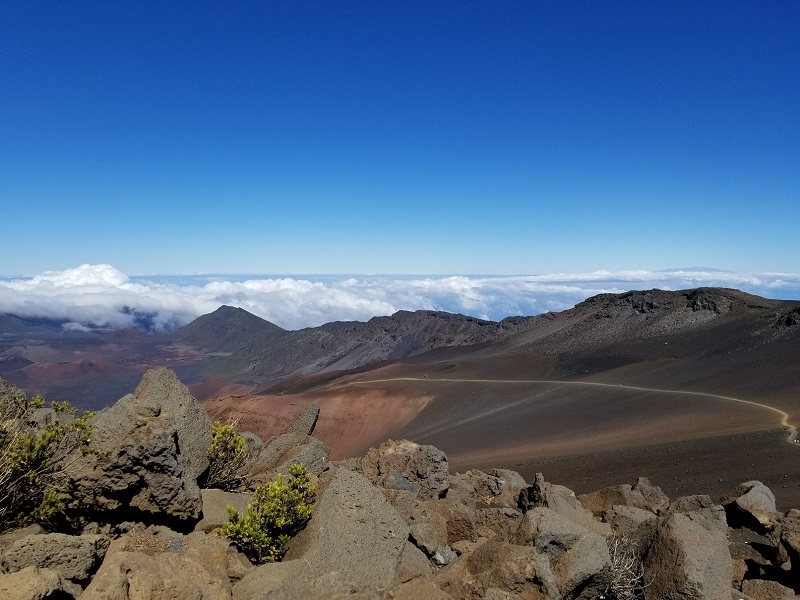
(102, 296)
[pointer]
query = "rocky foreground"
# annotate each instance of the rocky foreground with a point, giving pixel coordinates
(394, 523)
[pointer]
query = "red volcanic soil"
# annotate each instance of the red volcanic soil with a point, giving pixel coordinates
(350, 420)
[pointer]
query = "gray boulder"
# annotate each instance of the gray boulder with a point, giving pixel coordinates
(353, 543)
(280, 452)
(578, 556)
(509, 480)
(425, 465)
(152, 448)
(74, 557)
(642, 495)
(541, 494)
(689, 557)
(752, 505)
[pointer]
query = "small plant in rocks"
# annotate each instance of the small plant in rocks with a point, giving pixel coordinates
(227, 457)
(35, 449)
(278, 512)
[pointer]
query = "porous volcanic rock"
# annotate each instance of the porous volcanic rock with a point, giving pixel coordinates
(642, 495)
(74, 557)
(562, 500)
(353, 543)
(31, 583)
(761, 589)
(152, 446)
(578, 556)
(689, 557)
(424, 465)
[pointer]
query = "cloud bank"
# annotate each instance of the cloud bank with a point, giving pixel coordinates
(100, 296)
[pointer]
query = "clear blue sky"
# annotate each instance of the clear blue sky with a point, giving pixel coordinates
(405, 137)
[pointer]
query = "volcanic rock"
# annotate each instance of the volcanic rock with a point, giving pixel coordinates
(689, 557)
(31, 583)
(425, 465)
(74, 557)
(751, 504)
(152, 446)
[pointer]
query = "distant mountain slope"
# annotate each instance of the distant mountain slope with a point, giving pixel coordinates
(636, 315)
(259, 350)
(227, 329)
(14, 325)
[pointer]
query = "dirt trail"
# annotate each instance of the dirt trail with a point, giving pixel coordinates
(792, 435)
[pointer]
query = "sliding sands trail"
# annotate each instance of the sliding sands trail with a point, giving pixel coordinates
(784, 416)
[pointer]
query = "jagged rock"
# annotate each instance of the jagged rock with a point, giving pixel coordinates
(355, 534)
(10, 537)
(419, 589)
(313, 455)
(509, 480)
(790, 544)
(739, 567)
(759, 552)
(503, 522)
(477, 489)
(642, 495)
(73, 557)
(31, 583)
(689, 557)
(563, 501)
(305, 422)
(751, 504)
(152, 447)
(134, 575)
(459, 520)
(427, 538)
(282, 451)
(578, 556)
(413, 563)
(626, 520)
(497, 564)
(237, 565)
(425, 465)
(215, 508)
(194, 569)
(444, 556)
(354, 530)
(395, 481)
(760, 589)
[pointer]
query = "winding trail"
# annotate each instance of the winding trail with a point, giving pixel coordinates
(792, 437)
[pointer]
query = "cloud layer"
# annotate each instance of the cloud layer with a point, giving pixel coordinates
(91, 296)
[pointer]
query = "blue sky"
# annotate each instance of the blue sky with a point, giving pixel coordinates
(414, 137)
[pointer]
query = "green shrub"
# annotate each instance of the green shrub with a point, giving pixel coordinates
(227, 457)
(278, 511)
(34, 456)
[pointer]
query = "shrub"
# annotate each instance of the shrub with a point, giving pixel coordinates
(34, 455)
(278, 511)
(227, 457)
(627, 571)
